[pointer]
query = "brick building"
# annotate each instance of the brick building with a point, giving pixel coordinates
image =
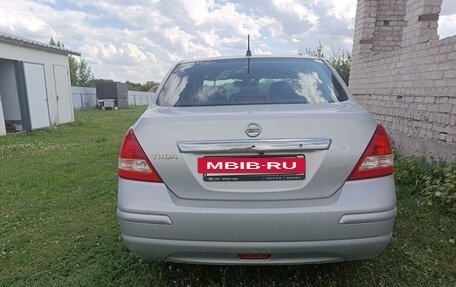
(405, 75)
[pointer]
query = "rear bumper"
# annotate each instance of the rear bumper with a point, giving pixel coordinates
(355, 223)
(218, 252)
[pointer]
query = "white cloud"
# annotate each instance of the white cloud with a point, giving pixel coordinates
(447, 20)
(139, 40)
(341, 10)
(447, 26)
(259, 51)
(448, 7)
(295, 8)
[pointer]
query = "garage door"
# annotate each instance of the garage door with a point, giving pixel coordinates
(62, 88)
(35, 83)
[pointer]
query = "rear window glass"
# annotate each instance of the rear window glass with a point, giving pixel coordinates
(251, 81)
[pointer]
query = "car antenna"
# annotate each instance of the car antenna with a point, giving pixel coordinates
(248, 53)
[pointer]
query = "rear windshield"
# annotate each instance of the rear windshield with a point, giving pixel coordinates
(251, 81)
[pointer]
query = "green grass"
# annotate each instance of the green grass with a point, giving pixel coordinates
(58, 224)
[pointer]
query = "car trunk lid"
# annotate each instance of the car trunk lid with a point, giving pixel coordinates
(331, 138)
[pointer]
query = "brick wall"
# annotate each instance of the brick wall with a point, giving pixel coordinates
(389, 23)
(406, 76)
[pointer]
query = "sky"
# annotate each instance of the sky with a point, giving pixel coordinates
(139, 40)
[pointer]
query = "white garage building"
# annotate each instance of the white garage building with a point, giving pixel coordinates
(35, 89)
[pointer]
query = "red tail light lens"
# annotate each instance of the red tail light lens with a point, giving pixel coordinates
(255, 256)
(377, 160)
(133, 162)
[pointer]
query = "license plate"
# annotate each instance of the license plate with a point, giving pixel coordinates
(252, 168)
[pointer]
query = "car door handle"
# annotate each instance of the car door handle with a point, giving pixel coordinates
(248, 146)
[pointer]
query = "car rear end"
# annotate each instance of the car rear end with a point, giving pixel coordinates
(256, 161)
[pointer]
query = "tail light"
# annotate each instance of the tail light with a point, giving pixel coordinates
(133, 162)
(377, 160)
(255, 256)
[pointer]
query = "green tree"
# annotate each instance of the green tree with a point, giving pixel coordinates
(52, 42)
(55, 43)
(141, 87)
(150, 84)
(318, 52)
(85, 75)
(339, 59)
(73, 70)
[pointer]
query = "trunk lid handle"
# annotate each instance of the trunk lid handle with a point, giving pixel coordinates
(249, 146)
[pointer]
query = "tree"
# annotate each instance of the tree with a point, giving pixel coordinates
(339, 59)
(317, 52)
(84, 74)
(141, 87)
(55, 43)
(73, 70)
(52, 41)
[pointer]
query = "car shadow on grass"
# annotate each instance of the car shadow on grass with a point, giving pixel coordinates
(334, 274)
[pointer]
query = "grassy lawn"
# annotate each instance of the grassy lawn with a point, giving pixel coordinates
(58, 224)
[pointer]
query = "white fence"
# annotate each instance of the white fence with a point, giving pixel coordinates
(136, 98)
(86, 98)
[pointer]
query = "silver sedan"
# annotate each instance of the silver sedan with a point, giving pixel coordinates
(256, 160)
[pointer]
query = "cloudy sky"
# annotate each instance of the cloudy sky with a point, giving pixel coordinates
(138, 40)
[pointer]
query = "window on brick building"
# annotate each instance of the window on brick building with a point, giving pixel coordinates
(447, 19)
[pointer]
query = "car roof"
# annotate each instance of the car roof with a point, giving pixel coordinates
(249, 57)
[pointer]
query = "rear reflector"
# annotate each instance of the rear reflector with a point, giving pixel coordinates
(377, 160)
(255, 256)
(133, 162)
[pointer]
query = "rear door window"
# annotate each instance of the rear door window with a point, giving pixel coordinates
(251, 81)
